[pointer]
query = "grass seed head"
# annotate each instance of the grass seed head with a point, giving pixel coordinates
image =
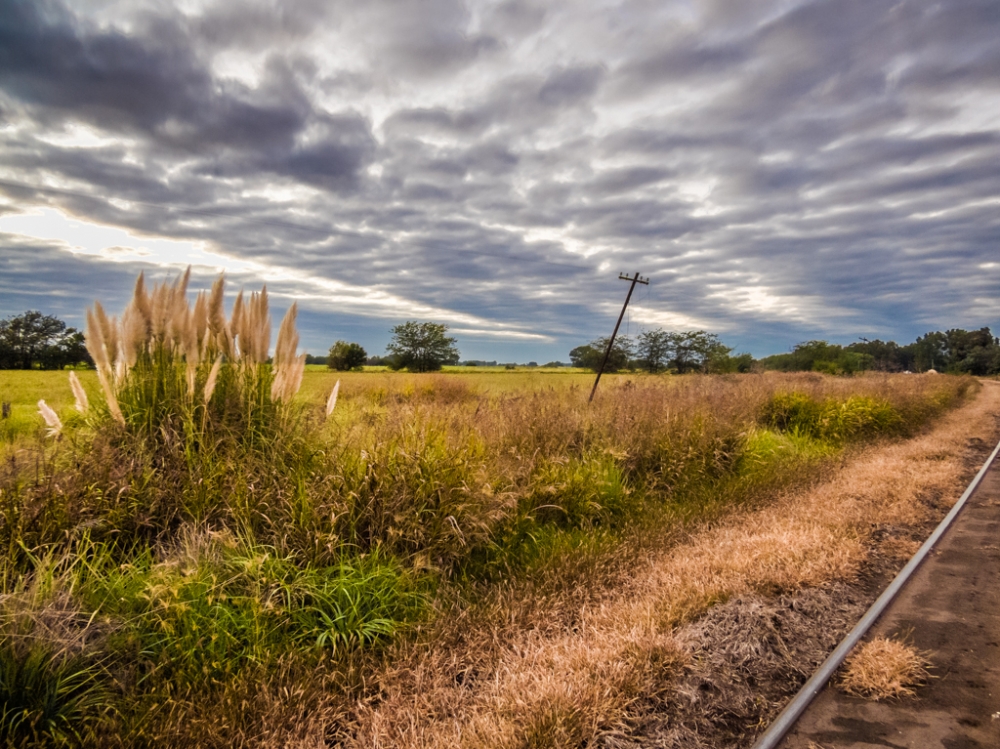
(259, 326)
(331, 402)
(135, 330)
(109, 333)
(141, 303)
(237, 325)
(199, 322)
(95, 340)
(79, 393)
(159, 312)
(51, 418)
(213, 375)
(221, 335)
(288, 338)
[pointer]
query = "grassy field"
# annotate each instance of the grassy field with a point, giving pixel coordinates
(217, 553)
(170, 582)
(23, 389)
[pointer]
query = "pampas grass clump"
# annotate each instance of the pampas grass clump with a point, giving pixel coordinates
(169, 366)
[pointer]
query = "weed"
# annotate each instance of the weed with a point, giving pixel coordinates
(883, 668)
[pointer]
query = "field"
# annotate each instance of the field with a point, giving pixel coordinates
(440, 561)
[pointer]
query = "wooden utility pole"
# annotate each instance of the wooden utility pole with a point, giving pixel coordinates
(607, 354)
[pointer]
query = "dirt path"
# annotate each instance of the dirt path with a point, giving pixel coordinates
(951, 607)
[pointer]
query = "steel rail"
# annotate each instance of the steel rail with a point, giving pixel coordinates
(776, 732)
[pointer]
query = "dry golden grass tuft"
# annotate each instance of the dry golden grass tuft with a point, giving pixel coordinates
(883, 668)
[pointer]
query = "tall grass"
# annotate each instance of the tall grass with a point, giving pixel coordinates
(215, 524)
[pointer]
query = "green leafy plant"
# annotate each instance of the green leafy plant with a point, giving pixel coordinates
(47, 697)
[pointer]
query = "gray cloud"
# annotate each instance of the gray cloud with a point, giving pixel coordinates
(782, 171)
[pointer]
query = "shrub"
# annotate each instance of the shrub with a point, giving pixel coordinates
(856, 417)
(346, 356)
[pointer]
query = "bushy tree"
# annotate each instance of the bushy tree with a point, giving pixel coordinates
(34, 339)
(586, 356)
(723, 362)
(345, 356)
(692, 350)
(886, 356)
(591, 354)
(653, 349)
(971, 351)
(421, 347)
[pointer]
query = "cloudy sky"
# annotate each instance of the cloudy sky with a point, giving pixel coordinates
(781, 170)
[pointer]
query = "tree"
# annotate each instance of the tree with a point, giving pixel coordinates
(34, 338)
(929, 351)
(653, 349)
(586, 356)
(693, 348)
(421, 347)
(591, 355)
(886, 356)
(723, 362)
(346, 356)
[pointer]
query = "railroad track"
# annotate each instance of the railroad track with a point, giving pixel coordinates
(967, 710)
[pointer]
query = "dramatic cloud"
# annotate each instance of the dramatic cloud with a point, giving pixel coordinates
(780, 169)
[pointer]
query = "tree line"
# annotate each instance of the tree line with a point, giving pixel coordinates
(956, 351)
(662, 350)
(36, 341)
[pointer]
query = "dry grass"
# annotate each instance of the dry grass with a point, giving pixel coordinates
(572, 670)
(565, 542)
(883, 668)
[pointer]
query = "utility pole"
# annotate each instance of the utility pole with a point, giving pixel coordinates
(634, 279)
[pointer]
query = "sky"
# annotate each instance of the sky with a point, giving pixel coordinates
(780, 170)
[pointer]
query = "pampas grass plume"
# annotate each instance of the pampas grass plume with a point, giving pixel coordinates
(82, 404)
(288, 338)
(259, 327)
(51, 418)
(237, 325)
(296, 368)
(331, 402)
(141, 305)
(95, 341)
(213, 375)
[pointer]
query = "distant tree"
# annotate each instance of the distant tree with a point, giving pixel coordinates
(34, 339)
(831, 358)
(693, 349)
(886, 356)
(970, 351)
(591, 355)
(421, 347)
(345, 356)
(653, 349)
(586, 356)
(723, 362)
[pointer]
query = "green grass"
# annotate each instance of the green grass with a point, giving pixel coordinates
(24, 388)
